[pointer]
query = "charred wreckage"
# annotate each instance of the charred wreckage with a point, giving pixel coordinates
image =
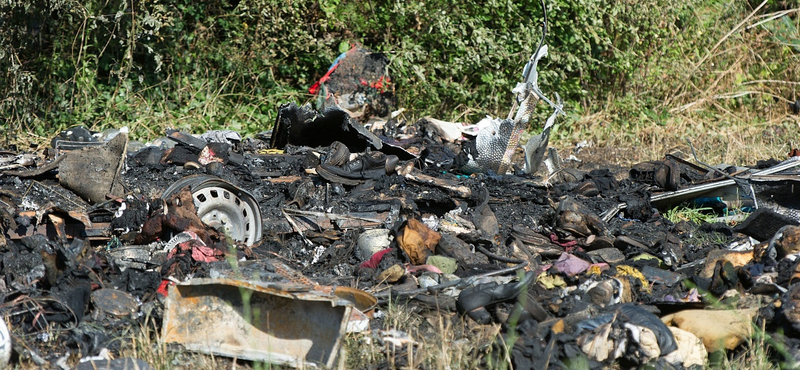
(321, 222)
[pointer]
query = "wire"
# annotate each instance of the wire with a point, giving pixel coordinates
(496, 256)
(541, 40)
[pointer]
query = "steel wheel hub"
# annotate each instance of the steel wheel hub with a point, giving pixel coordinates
(223, 206)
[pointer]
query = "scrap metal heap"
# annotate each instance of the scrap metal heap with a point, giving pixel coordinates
(273, 247)
(340, 229)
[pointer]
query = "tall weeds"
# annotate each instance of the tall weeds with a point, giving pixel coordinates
(649, 74)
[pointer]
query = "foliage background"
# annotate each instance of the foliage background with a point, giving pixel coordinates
(621, 66)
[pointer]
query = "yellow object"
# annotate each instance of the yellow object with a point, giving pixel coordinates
(594, 270)
(392, 274)
(625, 270)
(691, 350)
(271, 151)
(551, 281)
(645, 256)
(558, 327)
(718, 329)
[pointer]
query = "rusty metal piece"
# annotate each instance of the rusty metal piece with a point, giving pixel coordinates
(71, 230)
(409, 172)
(54, 222)
(360, 299)
(257, 321)
(363, 303)
(291, 274)
(59, 224)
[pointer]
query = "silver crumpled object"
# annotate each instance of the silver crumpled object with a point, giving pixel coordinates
(495, 143)
(490, 145)
(222, 136)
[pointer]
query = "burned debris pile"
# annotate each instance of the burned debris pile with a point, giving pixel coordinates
(585, 263)
(274, 247)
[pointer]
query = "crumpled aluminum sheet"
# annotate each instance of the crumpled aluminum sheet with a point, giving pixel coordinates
(281, 323)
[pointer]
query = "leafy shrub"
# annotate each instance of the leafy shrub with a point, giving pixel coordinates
(202, 65)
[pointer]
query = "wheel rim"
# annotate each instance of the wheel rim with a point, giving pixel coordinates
(223, 206)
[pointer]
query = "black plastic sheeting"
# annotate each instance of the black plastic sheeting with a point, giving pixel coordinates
(304, 126)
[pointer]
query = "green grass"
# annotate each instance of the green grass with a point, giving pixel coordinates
(690, 214)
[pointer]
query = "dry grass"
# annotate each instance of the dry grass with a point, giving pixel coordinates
(741, 143)
(755, 358)
(435, 340)
(730, 100)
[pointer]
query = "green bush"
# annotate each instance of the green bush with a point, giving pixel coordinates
(180, 63)
(201, 65)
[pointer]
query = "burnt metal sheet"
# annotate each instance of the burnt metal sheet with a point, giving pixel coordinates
(763, 183)
(140, 257)
(60, 224)
(257, 321)
(778, 193)
(678, 196)
(115, 302)
(304, 126)
(320, 221)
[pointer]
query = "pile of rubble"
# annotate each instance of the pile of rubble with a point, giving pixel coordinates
(323, 230)
(272, 248)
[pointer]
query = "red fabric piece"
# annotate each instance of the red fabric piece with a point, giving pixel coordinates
(381, 84)
(314, 89)
(172, 253)
(184, 247)
(163, 287)
(378, 84)
(376, 258)
(201, 253)
(554, 239)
